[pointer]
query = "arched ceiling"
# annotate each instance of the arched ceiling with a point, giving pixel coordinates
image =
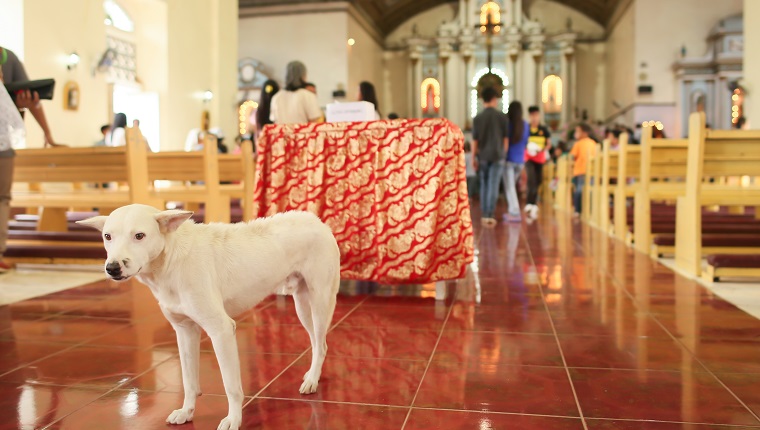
(389, 14)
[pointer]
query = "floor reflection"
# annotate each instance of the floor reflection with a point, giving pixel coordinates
(555, 326)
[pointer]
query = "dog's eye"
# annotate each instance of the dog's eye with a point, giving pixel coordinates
(140, 236)
(107, 236)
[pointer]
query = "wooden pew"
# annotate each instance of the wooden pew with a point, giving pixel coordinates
(664, 161)
(74, 166)
(602, 197)
(628, 164)
(713, 153)
(547, 194)
(201, 173)
(591, 197)
(562, 197)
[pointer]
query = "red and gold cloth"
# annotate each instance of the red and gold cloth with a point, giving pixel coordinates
(394, 193)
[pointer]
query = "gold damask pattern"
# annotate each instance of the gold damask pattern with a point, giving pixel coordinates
(394, 193)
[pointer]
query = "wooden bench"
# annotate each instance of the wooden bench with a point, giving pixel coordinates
(75, 166)
(201, 174)
(724, 265)
(563, 194)
(713, 154)
(662, 170)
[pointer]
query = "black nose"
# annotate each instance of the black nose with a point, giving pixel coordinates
(113, 269)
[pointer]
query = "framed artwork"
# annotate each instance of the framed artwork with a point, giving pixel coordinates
(71, 96)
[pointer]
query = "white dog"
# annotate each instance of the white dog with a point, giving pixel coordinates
(203, 275)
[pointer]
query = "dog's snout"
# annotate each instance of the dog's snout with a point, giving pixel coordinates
(113, 268)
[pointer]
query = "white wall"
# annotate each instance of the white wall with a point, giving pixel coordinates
(663, 27)
(319, 40)
(52, 30)
(365, 63)
(553, 17)
(12, 25)
(620, 59)
(202, 56)
(183, 48)
(591, 70)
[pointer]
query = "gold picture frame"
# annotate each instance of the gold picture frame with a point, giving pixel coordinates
(71, 96)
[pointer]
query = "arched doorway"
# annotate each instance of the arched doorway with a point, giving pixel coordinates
(475, 105)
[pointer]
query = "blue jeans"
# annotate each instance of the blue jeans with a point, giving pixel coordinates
(511, 175)
(490, 172)
(578, 181)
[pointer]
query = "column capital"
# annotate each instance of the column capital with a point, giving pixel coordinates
(416, 47)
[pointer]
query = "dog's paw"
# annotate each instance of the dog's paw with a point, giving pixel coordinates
(180, 416)
(230, 423)
(309, 385)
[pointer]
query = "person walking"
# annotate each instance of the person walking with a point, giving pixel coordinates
(489, 141)
(535, 156)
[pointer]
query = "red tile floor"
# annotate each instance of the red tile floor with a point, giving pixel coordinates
(555, 327)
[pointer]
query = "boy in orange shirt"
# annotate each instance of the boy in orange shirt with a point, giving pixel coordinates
(583, 147)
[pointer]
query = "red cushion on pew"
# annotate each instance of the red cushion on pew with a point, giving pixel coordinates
(54, 251)
(738, 261)
(739, 241)
(707, 228)
(28, 225)
(69, 236)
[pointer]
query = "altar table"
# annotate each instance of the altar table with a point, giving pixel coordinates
(394, 193)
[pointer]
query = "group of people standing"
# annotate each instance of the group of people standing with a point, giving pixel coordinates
(297, 102)
(502, 146)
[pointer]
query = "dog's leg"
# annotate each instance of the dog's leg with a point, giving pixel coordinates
(322, 307)
(189, 343)
(221, 330)
(303, 309)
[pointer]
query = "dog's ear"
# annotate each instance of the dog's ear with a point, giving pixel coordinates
(169, 221)
(96, 222)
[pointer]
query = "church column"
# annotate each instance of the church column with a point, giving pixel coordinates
(567, 74)
(444, 52)
(751, 63)
(517, 15)
(469, 71)
(538, 57)
(563, 75)
(528, 96)
(513, 54)
(573, 104)
(415, 55)
(536, 49)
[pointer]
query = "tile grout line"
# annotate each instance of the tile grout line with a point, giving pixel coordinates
(684, 346)
(117, 387)
(423, 408)
(554, 330)
(430, 361)
(295, 360)
(112, 390)
(611, 276)
(71, 346)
